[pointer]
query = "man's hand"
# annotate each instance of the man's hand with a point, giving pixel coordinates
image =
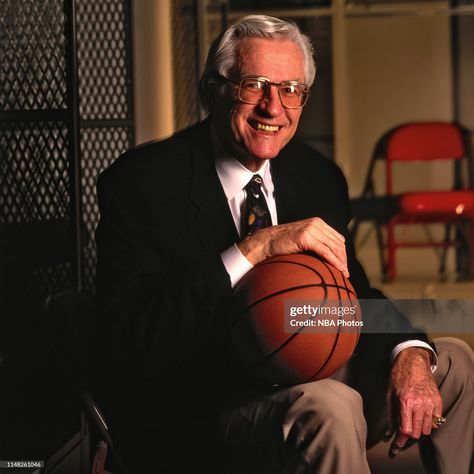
(416, 397)
(308, 235)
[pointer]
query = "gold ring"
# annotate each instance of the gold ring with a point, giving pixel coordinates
(438, 420)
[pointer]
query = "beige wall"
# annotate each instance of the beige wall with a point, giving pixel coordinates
(466, 71)
(398, 69)
(152, 70)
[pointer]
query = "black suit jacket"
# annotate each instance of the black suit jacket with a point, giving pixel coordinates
(161, 285)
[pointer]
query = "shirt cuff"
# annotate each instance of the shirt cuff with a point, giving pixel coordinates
(235, 263)
(416, 343)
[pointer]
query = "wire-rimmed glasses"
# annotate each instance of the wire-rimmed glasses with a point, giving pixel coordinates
(253, 89)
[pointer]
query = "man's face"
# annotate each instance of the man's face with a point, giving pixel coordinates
(253, 133)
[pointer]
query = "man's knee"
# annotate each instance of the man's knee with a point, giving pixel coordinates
(329, 405)
(331, 394)
(325, 429)
(455, 360)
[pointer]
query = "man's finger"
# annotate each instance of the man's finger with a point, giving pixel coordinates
(319, 223)
(398, 443)
(336, 248)
(427, 423)
(405, 430)
(328, 235)
(417, 424)
(437, 411)
(406, 420)
(330, 256)
(339, 250)
(391, 415)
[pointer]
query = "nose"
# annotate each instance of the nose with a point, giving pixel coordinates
(271, 103)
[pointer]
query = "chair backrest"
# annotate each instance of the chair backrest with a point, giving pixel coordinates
(422, 141)
(425, 141)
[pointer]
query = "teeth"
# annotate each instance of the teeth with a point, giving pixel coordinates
(267, 128)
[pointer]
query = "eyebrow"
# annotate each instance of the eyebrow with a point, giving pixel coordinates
(256, 76)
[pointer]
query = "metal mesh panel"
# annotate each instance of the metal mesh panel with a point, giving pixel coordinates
(185, 54)
(34, 160)
(44, 281)
(34, 140)
(32, 54)
(103, 59)
(34, 179)
(105, 103)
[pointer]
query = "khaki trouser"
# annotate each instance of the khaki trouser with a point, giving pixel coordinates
(322, 427)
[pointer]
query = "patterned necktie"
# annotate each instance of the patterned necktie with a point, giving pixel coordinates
(256, 214)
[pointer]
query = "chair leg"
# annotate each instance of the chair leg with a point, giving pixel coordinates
(470, 249)
(444, 250)
(391, 244)
(354, 229)
(464, 249)
(381, 248)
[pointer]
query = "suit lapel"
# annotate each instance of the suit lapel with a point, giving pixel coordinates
(294, 192)
(214, 223)
(285, 185)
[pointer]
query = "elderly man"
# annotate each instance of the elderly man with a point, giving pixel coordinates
(182, 221)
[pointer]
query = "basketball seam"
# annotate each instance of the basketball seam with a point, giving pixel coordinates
(289, 339)
(338, 332)
(280, 292)
(332, 285)
(328, 358)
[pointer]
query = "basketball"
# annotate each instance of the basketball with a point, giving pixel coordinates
(295, 319)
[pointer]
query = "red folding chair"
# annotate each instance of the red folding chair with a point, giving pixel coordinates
(430, 141)
(423, 141)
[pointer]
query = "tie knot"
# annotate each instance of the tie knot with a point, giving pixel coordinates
(254, 186)
(256, 214)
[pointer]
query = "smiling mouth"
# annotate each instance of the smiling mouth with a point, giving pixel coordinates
(261, 127)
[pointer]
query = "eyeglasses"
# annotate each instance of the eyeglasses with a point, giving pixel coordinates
(252, 90)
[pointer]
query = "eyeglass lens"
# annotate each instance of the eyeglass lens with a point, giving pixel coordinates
(292, 95)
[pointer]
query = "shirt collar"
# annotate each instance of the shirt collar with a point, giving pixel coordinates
(233, 175)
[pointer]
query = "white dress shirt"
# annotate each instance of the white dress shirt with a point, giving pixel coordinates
(234, 177)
